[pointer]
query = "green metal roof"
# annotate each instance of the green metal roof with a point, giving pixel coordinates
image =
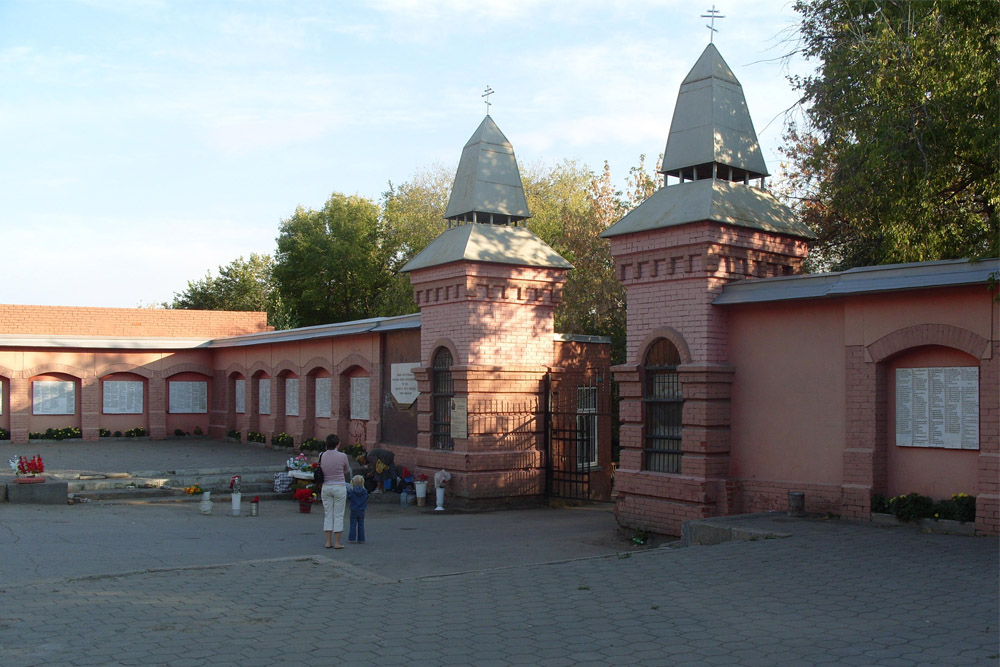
(487, 180)
(477, 242)
(720, 201)
(711, 123)
(861, 280)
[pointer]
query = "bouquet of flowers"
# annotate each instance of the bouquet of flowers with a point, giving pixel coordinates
(421, 477)
(300, 462)
(22, 465)
(193, 490)
(234, 484)
(304, 496)
(440, 477)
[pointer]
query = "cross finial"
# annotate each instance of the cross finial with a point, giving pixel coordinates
(713, 14)
(486, 94)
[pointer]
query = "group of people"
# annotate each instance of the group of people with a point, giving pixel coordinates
(339, 490)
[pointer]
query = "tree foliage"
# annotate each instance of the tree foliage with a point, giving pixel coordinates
(571, 207)
(243, 284)
(343, 262)
(898, 158)
(335, 264)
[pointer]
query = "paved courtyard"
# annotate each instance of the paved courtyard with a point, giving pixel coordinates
(159, 583)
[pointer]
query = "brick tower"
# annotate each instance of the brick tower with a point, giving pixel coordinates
(674, 253)
(487, 288)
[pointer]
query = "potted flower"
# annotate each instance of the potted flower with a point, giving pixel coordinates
(27, 471)
(234, 487)
(440, 478)
(306, 499)
(420, 484)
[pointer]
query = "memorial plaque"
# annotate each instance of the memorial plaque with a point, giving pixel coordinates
(360, 397)
(241, 397)
(291, 397)
(122, 397)
(264, 396)
(188, 397)
(937, 407)
(323, 407)
(53, 397)
(403, 384)
(460, 417)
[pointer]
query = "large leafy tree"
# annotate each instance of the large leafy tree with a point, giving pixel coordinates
(335, 264)
(571, 207)
(243, 284)
(414, 216)
(897, 160)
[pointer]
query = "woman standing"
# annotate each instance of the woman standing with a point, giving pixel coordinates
(336, 472)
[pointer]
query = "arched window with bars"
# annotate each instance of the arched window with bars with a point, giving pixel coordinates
(442, 391)
(663, 404)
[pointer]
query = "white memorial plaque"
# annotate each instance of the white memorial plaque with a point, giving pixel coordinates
(360, 397)
(323, 407)
(53, 397)
(460, 417)
(241, 397)
(264, 396)
(292, 397)
(122, 397)
(188, 397)
(403, 384)
(937, 407)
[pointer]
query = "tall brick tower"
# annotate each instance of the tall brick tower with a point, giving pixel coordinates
(487, 288)
(674, 253)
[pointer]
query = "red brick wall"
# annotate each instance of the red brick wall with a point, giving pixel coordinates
(128, 322)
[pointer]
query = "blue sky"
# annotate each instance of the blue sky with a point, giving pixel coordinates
(145, 142)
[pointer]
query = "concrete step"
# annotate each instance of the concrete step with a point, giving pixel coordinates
(209, 480)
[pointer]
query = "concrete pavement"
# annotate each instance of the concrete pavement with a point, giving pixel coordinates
(126, 584)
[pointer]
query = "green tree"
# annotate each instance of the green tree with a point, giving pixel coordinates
(897, 161)
(243, 284)
(334, 265)
(571, 207)
(413, 214)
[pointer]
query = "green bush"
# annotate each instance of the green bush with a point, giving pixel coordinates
(198, 431)
(104, 433)
(913, 506)
(282, 440)
(355, 450)
(4, 434)
(960, 507)
(254, 436)
(136, 432)
(118, 434)
(236, 435)
(67, 433)
(312, 445)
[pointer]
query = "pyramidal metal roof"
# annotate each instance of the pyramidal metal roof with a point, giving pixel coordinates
(711, 123)
(722, 201)
(479, 242)
(487, 180)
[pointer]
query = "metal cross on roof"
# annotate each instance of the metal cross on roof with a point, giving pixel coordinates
(713, 14)
(486, 94)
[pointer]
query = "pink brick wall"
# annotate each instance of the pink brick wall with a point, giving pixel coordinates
(128, 322)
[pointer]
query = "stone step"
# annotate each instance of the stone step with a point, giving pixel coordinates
(208, 480)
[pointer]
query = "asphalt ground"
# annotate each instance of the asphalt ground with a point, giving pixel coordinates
(114, 583)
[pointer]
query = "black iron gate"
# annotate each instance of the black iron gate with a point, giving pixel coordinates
(578, 434)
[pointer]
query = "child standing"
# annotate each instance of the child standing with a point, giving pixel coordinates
(357, 497)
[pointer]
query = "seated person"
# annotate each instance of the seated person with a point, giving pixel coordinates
(381, 462)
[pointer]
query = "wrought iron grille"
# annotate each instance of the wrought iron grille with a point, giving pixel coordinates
(442, 391)
(664, 403)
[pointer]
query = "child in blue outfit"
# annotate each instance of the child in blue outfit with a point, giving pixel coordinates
(357, 498)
